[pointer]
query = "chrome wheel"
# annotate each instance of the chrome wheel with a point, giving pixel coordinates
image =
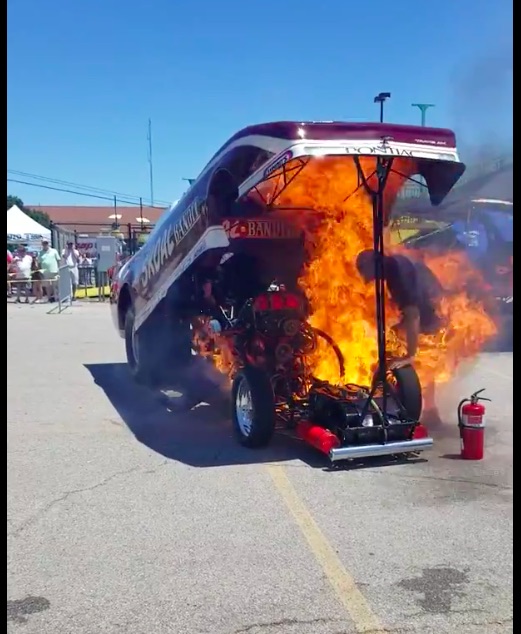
(244, 408)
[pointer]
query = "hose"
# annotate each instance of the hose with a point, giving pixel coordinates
(338, 352)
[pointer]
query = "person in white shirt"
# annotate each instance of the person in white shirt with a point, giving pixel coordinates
(22, 266)
(71, 257)
(85, 270)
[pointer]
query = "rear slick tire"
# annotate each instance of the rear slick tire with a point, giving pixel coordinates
(408, 390)
(139, 358)
(253, 408)
(159, 352)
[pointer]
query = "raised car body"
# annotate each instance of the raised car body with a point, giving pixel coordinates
(196, 224)
(218, 282)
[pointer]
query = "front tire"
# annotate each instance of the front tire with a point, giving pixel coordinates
(407, 387)
(253, 408)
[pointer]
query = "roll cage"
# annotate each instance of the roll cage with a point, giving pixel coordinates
(440, 176)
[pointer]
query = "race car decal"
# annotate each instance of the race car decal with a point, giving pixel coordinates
(259, 229)
(169, 240)
(213, 238)
(278, 162)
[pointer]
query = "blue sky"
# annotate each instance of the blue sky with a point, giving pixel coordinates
(85, 76)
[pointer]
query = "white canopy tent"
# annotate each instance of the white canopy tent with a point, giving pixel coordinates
(21, 227)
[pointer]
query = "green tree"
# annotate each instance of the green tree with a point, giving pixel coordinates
(39, 216)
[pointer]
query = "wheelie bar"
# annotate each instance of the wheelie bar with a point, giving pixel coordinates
(326, 442)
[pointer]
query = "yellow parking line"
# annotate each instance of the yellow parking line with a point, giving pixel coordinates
(343, 583)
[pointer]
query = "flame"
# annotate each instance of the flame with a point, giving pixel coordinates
(343, 305)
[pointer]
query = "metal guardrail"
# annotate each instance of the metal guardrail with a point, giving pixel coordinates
(28, 288)
(58, 289)
(65, 296)
(91, 284)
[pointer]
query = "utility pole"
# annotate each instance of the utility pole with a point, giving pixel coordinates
(423, 107)
(141, 212)
(150, 163)
(381, 98)
(116, 219)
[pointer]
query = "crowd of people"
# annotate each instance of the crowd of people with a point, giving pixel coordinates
(32, 273)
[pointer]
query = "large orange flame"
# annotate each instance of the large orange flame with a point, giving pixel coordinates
(343, 305)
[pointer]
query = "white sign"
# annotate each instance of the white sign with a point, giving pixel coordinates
(87, 246)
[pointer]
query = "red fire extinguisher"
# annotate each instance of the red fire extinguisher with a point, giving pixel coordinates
(471, 423)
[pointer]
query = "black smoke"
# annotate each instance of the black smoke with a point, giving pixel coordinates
(482, 102)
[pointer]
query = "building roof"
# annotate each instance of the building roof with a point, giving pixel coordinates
(94, 219)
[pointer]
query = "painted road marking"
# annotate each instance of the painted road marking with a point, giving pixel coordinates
(343, 583)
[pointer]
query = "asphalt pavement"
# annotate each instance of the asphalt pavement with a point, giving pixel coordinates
(123, 517)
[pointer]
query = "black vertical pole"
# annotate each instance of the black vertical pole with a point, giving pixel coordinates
(381, 98)
(116, 220)
(383, 167)
(141, 212)
(379, 275)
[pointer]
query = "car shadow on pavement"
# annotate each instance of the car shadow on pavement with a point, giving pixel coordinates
(201, 437)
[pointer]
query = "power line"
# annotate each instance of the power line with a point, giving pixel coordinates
(112, 199)
(56, 181)
(76, 185)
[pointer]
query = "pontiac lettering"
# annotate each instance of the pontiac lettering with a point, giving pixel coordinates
(380, 150)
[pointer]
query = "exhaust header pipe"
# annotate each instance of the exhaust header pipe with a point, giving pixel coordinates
(389, 449)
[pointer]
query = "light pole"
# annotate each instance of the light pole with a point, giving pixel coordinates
(191, 181)
(381, 98)
(423, 107)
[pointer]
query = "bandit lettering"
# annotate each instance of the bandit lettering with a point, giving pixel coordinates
(169, 239)
(260, 229)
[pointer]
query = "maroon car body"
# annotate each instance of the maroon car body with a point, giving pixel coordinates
(194, 225)
(219, 275)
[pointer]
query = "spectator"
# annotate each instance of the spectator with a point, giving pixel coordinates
(71, 257)
(36, 277)
(85, 270)
(9, 265)
(49, 261)
(22, 265)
